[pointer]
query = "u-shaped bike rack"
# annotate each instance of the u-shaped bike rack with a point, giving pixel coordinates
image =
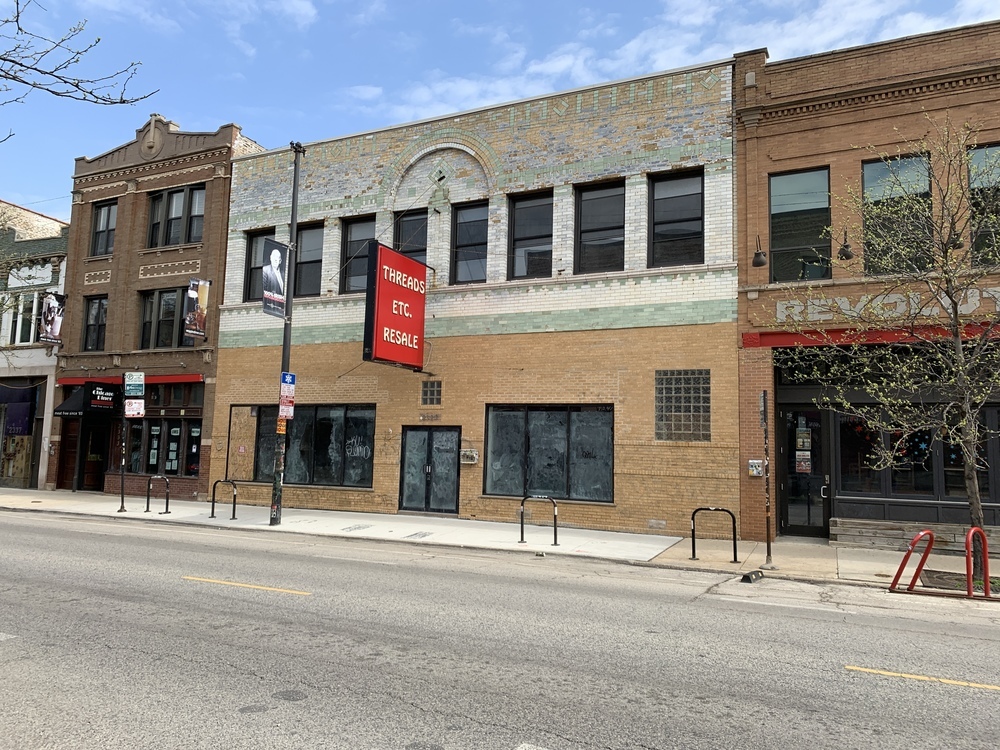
(694, 555)
(216, 484)
(149, 489)
(969, 553)
(555, 517)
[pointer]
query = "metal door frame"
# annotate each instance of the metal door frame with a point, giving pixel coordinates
(430, 430)
(826, 452)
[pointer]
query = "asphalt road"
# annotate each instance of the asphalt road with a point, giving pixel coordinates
(118, 634)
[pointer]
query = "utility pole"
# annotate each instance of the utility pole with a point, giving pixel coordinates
(281, 431)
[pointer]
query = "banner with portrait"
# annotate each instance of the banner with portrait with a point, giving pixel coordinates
(196, 308)
(273, 277)
(50, 317)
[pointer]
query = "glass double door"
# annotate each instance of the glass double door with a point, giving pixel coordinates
(804, 479)
(429, 469)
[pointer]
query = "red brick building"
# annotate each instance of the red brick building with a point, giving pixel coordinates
(802, 126)
(149, 222)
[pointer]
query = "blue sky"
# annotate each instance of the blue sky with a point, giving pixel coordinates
(307, 70)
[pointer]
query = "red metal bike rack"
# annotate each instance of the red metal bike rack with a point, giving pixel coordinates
(976, 531)
(973, 532)
(906, 558)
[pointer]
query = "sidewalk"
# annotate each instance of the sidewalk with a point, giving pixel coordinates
(795, 558)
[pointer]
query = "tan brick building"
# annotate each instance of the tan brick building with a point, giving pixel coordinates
(580, 323)
(149, 221)
(802, 126)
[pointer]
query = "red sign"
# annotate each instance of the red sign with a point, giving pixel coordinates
(394, 311)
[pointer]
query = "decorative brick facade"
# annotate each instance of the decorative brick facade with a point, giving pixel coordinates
(821, 112)
(119, 254)
(567, 338)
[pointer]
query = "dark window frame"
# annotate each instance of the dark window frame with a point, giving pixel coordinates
(153, 434)
(526, 449)
(356, 255)
(102, 237)
(308, 273)
(612, 231)
(266, 415)
(664, 222)
(407, 241)
(190, 225)
(99, 329)
(871, 231)
(985, 229)
(461, 246)
(151, 302)
(814, 260)
(253, 281)
(529, 241)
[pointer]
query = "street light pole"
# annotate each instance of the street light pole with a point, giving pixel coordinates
(281, 430)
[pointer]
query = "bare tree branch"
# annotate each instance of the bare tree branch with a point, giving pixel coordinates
(34, 62)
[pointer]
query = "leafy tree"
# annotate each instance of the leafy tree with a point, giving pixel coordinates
(31, 61)
(912, 350)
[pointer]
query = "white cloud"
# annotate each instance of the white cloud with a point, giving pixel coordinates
(301, 12)
(139, 10)
(364, 93)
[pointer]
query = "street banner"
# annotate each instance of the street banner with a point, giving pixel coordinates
(50, 318)
(273, 277)
(196, 308)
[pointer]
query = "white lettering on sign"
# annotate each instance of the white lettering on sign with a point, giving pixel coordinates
(401, 308)
(882, 305)
(404, 280)
(392, 336)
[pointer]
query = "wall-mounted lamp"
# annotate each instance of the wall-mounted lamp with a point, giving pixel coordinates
(759, 258)
(845, 252)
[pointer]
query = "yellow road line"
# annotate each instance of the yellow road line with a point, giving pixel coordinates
(923, 678)
(247, 586)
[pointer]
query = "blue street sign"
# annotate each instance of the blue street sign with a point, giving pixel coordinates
(288, 378)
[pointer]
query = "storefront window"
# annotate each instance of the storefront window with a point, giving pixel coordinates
(565, 452)
(914, 470)
(954, 472)
(858, 444)
(327, 445)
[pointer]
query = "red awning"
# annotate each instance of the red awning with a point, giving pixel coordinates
(150, 379)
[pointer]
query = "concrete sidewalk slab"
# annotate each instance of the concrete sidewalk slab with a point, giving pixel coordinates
(791, 557)
(417, 529)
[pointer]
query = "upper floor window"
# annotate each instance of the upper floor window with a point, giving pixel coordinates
(256, 261)
(105, 217)
(24, 308)
(800, 217)
(95, 317)
(354, 261)
(468, 262)
(897, 214)
(177, 217)
(677, 234)
(308, 261)
(531, 237)
(600, 233)
(410, 235)
(984, 185)
(163, 319)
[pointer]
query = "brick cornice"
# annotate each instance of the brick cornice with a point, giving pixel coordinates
(139, 170)
(882, 94)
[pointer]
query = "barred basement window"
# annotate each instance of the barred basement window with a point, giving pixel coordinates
(683, 405)
(430, 393)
